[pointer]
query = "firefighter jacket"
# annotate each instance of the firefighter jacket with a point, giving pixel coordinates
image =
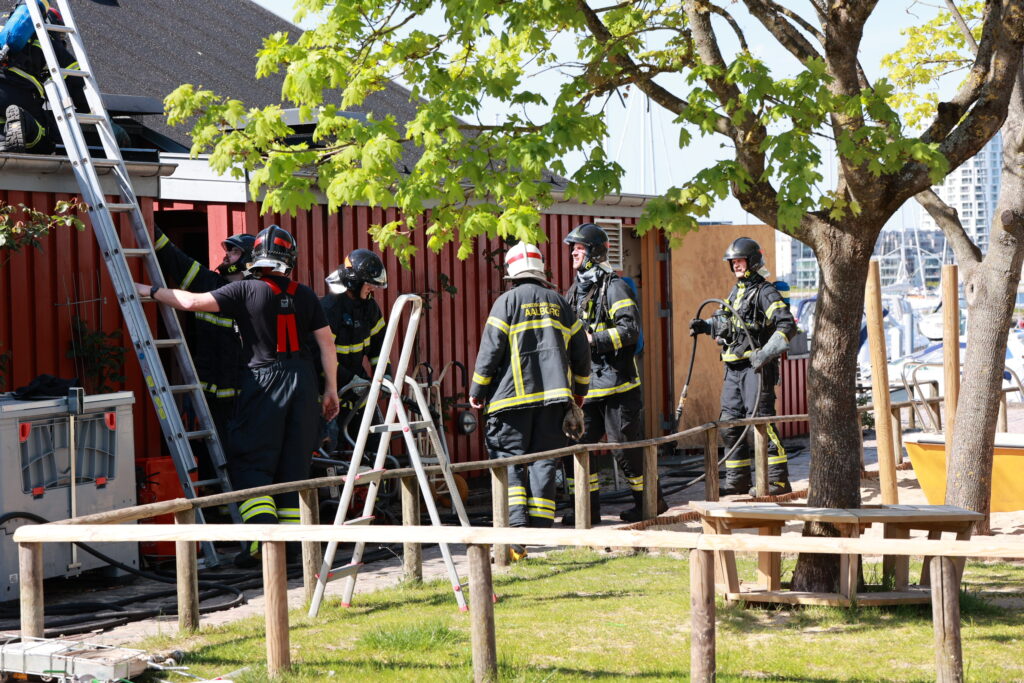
(358, 327)
(217, 352)
(609, 311)
(26, 69)
(533, 352)
(761, 310)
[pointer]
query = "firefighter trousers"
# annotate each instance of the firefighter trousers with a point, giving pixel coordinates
(619, 417)
(531, 488)
(273, 435)
(741, 388)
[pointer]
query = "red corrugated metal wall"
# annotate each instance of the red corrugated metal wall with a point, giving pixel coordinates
(45, 288)
(793, 395)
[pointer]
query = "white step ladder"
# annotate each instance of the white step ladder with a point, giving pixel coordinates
(396, 420)
(104, 217)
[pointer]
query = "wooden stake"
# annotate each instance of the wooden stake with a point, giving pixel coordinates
(30, 576)
(581, 473)
(949, 663)
(711, 464)
(650, 508)
(412, 553)
(702, 617)
(950, 347)
(481, 614)
(499, 510)
(312, 552)
(275, 590)
(880, 387)
(188, 576)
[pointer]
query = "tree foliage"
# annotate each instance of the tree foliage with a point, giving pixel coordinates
(23, 226)
(492, 179)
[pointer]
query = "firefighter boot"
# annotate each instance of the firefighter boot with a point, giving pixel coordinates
(636, 513)
(778, 481)
(736, 482)
(569, 519)
(24, 134)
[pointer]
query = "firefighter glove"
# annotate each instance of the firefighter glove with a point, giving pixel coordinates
(698, 326)
(770, 351)
(572, 423)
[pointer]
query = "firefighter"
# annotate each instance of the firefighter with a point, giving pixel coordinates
(276, 427)
(358, 326)
(614, 406)
(216, 348)
(28, 127)
(750, 373)
(534, 361)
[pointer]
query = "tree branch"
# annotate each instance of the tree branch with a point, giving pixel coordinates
(657, 93)
(771, 17)
(965, 250)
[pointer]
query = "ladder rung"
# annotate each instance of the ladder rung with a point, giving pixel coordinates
(94, 119)
(416, 426)
(359, 521)
(182, 388)
(200, 434)
(115, 206)
(343, 570)
(134, 252)
(80, 73)
(58, 28)
(165, 343)
(208, 482)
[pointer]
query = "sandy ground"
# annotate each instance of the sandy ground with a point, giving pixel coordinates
(388, 573)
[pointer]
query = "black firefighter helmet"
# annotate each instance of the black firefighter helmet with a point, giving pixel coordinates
(274, 248)
(361, 266)
(594, 238)
(245, 244)
(744, 247)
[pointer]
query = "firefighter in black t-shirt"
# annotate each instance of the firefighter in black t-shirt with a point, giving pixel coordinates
(276, 427)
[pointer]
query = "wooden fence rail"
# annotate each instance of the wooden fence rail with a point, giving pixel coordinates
(945, 590)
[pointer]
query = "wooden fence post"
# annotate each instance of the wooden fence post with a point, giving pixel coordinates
(481, 614)
(880, 386)
(711, 464)
(945, 583)
(30, 578)
(897, 433)
(650, 500)
(275, 590)
(312, 553)
(581, 473)
(702, 616)
(412, 553)
(188, 576)
(761, 459)
(499, 510)
(950, 346)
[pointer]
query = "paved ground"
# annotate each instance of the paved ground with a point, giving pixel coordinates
(388, 572)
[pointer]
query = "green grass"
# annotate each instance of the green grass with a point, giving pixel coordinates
(578, 615)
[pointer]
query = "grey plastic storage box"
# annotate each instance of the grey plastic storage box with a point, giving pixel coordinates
(35, 476)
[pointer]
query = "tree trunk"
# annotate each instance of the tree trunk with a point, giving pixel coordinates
(991, 290)
(843, 254)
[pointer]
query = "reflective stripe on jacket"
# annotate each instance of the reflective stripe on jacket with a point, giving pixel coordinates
(533, 351)
(613, 318)
(762, 311)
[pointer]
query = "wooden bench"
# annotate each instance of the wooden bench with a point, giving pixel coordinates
(769, 519)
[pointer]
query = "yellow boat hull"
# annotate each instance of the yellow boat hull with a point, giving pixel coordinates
(928, 456)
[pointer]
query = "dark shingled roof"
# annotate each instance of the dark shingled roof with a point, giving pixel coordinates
(150, 47)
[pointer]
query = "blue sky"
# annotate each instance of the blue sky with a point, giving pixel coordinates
(642, 138)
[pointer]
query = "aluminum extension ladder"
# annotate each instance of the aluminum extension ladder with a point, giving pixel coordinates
(102, 215)
(396, 420)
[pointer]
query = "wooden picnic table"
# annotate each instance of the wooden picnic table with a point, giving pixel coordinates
(769, 519)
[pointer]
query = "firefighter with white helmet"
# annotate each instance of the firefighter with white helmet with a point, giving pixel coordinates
(533, 364)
